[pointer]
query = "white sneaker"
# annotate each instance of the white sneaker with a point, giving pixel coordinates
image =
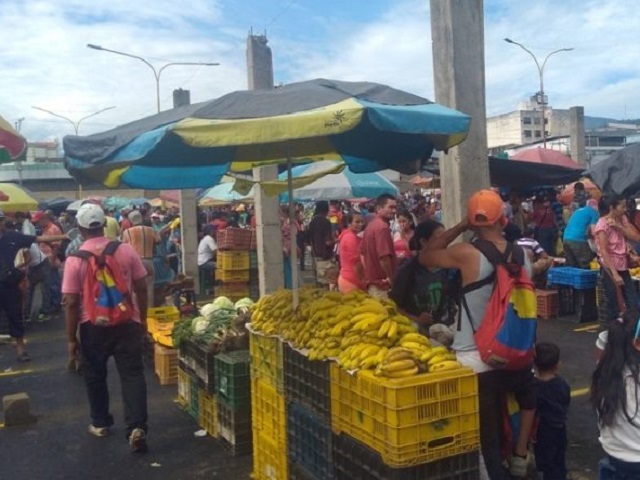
(99, 431)
(518, 466)
(138, 441)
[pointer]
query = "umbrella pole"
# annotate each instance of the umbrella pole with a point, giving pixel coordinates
(294, 236)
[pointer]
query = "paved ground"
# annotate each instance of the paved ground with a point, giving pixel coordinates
(58, 446)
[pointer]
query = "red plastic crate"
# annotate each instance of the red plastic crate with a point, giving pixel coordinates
(548, 303)
(234, 239)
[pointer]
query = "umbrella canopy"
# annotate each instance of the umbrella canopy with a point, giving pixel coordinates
(524, 175)
(566, 196)
(337, 186)
(172, 196)
(420, 181)
(223, 193)
(57, 204)
(619, 173)
(13, 146)
(546, 157)
(368, 126)
(18, 199)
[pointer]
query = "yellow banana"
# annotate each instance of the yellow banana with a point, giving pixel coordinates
(416, 337)
(434, 352)
(382, 353)
(397, 365)
(398, 353)
(384, 328)
(446, 365)
(370, 350)
(401, 373)
(441, 358)
(413, 345)
(393, 329)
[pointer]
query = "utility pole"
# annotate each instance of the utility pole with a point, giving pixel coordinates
(268, 231)
(457, 29)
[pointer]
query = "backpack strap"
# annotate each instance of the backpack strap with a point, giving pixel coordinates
(513, 254)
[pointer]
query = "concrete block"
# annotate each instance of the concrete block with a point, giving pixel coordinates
(16, 410)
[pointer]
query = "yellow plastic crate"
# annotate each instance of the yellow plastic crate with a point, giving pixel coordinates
(165, 361)
(164, 314)
(184, 388)
(232, 275)
(209, 414)
(410, 420)
(154, 326)
(267, 360)
(268, 411)
(233, 291)
(269, 458)
(230, 260)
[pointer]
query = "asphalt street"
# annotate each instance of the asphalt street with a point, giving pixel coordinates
(58, 446)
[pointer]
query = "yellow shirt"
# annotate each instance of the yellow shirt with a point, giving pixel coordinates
(111, 228)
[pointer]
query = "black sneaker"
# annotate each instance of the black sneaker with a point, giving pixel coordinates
(138, 441)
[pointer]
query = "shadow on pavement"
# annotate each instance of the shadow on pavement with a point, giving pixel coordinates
(58, 445)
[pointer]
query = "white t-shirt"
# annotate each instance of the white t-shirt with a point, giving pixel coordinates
(622, 439)
(206, 249)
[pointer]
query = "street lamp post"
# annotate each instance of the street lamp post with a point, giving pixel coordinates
(76, 127)
(76, 124)
(541, 98)
(156, 73)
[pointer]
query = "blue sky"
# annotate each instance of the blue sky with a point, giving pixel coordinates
(45, 61)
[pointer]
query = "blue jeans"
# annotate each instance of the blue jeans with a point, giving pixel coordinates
(11, 303)
(624, 470)
(628, 292)
(52, 293)
(125, 343)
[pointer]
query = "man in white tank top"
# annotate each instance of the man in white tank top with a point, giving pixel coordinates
(485, 216)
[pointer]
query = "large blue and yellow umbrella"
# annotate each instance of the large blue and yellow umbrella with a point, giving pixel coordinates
(368, 126)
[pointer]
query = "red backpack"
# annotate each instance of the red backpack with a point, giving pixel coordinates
(507, 334)
(105, 292)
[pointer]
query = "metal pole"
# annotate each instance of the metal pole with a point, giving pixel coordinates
(542, 101)
(18, 126)
(156, 73)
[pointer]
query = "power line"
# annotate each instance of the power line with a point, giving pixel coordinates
(280, 13)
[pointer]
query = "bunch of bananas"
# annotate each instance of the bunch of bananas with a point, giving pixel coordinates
(398, 362)
(357, 330)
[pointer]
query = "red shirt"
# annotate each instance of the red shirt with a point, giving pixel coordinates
(376, 244)
(349, 252)
(124, 224)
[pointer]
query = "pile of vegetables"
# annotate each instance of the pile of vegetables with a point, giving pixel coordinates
(219, 327)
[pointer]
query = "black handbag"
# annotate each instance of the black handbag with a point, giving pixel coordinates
(10, 277)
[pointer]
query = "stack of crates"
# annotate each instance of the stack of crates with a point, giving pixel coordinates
(307, 387)
(423, 426)
(160, 323)
(233, 391)
(232, 272)
(200, 405)
(199, 362)
(582, 285)
(268, 409)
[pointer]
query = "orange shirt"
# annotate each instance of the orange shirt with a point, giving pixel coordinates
(142, 239)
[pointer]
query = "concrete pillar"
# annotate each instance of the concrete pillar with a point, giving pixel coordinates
(188, 213)
(269, 234)
(577, 135)
(457, 30)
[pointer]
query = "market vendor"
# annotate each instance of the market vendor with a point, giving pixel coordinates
(425, 295)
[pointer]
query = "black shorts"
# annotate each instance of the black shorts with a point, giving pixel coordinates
(521, 383)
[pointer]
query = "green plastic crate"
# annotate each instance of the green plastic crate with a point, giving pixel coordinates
(233, 379)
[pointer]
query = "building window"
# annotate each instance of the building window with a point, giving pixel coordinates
(527, 134)
(538, 134)
(536, 121)
(526, 120)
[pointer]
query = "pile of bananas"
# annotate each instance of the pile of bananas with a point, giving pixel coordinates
(357, 330)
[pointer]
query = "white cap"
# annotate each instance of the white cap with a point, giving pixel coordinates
(90, 216)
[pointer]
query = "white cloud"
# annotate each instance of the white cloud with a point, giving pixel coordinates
(45, 61)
